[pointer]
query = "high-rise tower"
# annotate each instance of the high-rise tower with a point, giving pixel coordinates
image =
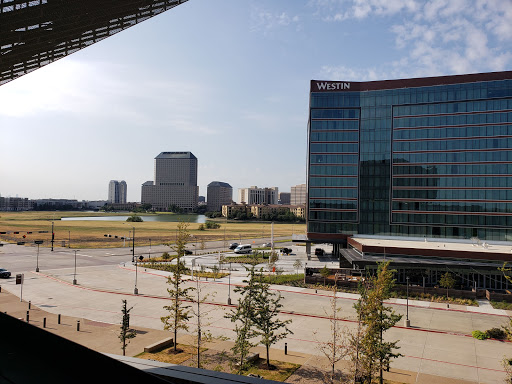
(175, 182)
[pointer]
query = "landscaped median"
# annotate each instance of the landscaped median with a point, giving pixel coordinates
(215, 272)
(221, 361)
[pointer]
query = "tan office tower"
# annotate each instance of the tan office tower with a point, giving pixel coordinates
(218, 194)
(298, 194)
(175, 182)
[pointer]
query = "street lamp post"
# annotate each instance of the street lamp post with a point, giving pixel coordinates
(135, 290)
(74, 275)
(407, 321)
(133, 247)
(229, 285)
(149, 248)
(53, 236)
(37, 260)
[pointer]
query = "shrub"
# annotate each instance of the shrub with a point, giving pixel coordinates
(135, 219)
(479, 335)
(212, 225)
(496, 333)
(166, 256)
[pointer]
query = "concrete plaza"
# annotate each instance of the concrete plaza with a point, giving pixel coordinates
(436, 347)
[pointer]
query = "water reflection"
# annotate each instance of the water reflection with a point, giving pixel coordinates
(162, 218)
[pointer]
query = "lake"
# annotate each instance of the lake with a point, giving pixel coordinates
(162, 218)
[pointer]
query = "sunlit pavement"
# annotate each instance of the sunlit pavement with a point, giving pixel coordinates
(437, 343)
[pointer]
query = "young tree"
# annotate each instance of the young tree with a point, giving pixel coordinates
(179, 312)
(201, 316)
(374, 354)
(222, 260)
(215, 272)
(325, 272)
(297, 265)
(243, 317)
(338, 346)
(447, 281)
(273, 258)
(269, 327)
(126, 333)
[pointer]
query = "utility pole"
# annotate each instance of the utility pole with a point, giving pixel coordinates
(74, 275)
(53, 236)
(133, 245)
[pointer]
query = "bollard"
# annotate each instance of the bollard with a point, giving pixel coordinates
(28, 316)
(78, 325)
(285, 348)
(58, 319)
(44, 322)
(0, 288)
(29, 304)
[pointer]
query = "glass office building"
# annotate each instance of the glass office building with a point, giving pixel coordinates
(412, 157)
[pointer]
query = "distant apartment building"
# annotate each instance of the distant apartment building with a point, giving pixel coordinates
(15, 204)
(218, 194)
(232, 209)
(57, 204)
(298, 194)
(284, 198)
(175, 182)
(117, 191)
(260, 210)
(255, 195)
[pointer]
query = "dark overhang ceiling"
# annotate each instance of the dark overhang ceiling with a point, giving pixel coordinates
(38, 32)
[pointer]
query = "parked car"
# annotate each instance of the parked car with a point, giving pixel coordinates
(266, 245)
(286, 251)
(319, 252)
(4, 273)
(233, 245)
(187, 252)
(244, 248)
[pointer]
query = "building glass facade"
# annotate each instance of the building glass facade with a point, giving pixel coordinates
(415, 157)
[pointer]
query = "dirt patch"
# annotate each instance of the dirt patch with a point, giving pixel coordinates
(222, 362)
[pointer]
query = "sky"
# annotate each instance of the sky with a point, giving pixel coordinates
(227, 80)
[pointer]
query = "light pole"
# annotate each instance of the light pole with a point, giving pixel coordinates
(229, 285)
(133, 248)
(53, 236)
(69, 239)
(74, 275)
(135, 290)
(407, 321)
(37, 260)
(149, 248)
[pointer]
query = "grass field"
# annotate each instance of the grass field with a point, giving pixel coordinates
(90, 234)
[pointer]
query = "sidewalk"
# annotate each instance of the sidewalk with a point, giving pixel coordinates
(103, 337)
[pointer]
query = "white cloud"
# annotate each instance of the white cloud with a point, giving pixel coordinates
(344, 73)
(264, 20)
(434, 37)
(339, 10)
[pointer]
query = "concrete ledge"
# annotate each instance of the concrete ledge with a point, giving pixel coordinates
(251, 358)
(169, 342)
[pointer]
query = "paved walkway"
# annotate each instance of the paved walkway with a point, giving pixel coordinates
(103, 337)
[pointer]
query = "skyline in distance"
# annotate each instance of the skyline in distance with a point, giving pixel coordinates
(235, 94)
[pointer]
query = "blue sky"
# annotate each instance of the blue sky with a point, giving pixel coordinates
(227, 80)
